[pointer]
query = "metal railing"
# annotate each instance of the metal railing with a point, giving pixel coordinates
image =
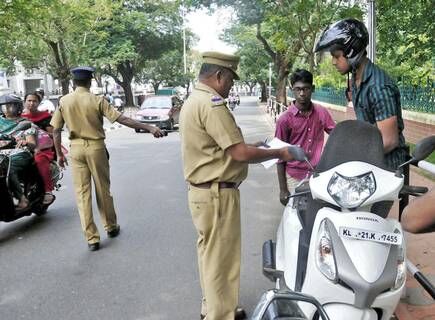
(419, 99)
(327, 94)
(274, 108)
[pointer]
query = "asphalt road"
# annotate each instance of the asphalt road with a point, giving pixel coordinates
(149, 272)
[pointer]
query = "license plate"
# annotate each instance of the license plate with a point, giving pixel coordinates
(370, 235)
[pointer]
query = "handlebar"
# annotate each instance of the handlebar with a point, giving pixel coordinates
(413, 190)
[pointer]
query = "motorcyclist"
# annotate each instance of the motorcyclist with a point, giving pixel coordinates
(22, 137)
(232, 101)
(375, 97)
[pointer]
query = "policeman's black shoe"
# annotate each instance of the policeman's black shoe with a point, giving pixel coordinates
(114, 232)
(240, 314)
(94, 246)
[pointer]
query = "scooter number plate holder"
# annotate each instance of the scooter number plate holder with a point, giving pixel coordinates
(370, 235)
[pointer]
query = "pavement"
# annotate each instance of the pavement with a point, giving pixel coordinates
(416, 303)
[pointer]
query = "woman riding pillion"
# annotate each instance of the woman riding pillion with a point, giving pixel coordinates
(44, 153)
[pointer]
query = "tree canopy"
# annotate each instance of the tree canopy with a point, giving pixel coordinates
(142, 39)
(287, 30)
(405, 45)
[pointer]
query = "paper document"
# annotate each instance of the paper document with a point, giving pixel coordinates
(275, 143)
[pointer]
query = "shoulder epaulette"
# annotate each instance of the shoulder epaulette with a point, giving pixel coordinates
(217, 101)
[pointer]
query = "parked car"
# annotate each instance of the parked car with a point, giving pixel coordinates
(161, 111)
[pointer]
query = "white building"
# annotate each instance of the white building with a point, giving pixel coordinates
(28, 80)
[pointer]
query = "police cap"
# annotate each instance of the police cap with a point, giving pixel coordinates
(82, 73)
(228, 61)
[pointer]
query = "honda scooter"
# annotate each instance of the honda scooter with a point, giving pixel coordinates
(334, 241)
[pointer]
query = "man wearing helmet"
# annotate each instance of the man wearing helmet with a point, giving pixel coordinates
(375, 97)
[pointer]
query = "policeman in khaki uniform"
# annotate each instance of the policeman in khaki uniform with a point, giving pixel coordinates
(83, 112)
(215, 162)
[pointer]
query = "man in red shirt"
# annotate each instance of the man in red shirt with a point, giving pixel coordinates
(302, 124)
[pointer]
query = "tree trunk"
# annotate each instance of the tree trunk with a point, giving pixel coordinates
(251, 87)
(129, 98)
(156, 86)
(61, 63)
(65, 86)
(187, 88)
(126, 70)
(263, 91)
(283, 67)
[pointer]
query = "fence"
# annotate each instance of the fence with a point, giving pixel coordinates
(413, 98)
(274, 108)
(420, 99)
(327, 94)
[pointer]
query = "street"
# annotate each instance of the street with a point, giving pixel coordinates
(150, 271)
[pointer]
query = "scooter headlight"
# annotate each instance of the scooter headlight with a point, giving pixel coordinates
(325, 260)
(401, 268)
(351, 192)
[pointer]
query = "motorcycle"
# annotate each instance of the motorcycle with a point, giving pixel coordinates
(31, 181)
(333, 242)
(232, 102)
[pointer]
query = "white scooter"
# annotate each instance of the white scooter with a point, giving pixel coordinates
(333, 242)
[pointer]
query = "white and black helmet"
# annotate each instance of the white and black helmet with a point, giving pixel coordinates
(349, 35)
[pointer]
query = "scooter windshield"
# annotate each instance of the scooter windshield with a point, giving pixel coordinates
(353, 140)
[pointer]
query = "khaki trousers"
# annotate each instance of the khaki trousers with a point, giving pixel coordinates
(89, 161)
(216, 216)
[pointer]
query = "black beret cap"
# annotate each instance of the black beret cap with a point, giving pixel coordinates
(82, 73)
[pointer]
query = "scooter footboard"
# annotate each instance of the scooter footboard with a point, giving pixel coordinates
(339, 311)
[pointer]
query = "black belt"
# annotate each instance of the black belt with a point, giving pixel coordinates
(222, 185)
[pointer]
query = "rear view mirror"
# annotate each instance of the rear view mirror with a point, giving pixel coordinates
(424, 148)
(297, 152)
(23, 125)
(288, 305)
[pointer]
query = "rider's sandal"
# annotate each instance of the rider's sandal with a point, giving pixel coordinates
(48, 198)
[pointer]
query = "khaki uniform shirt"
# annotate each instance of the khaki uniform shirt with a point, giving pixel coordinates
(83, 113)
(207, 129)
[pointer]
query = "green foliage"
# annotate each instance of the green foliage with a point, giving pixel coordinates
(405, 31)
(47, 33)
(254, 62)
(135, 32)
(168, 70)
(287, 30)
(328, 76)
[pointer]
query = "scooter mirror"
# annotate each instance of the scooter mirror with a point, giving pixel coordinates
(297, 152)
(275, 304)
(23, 125)
(424, 148)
